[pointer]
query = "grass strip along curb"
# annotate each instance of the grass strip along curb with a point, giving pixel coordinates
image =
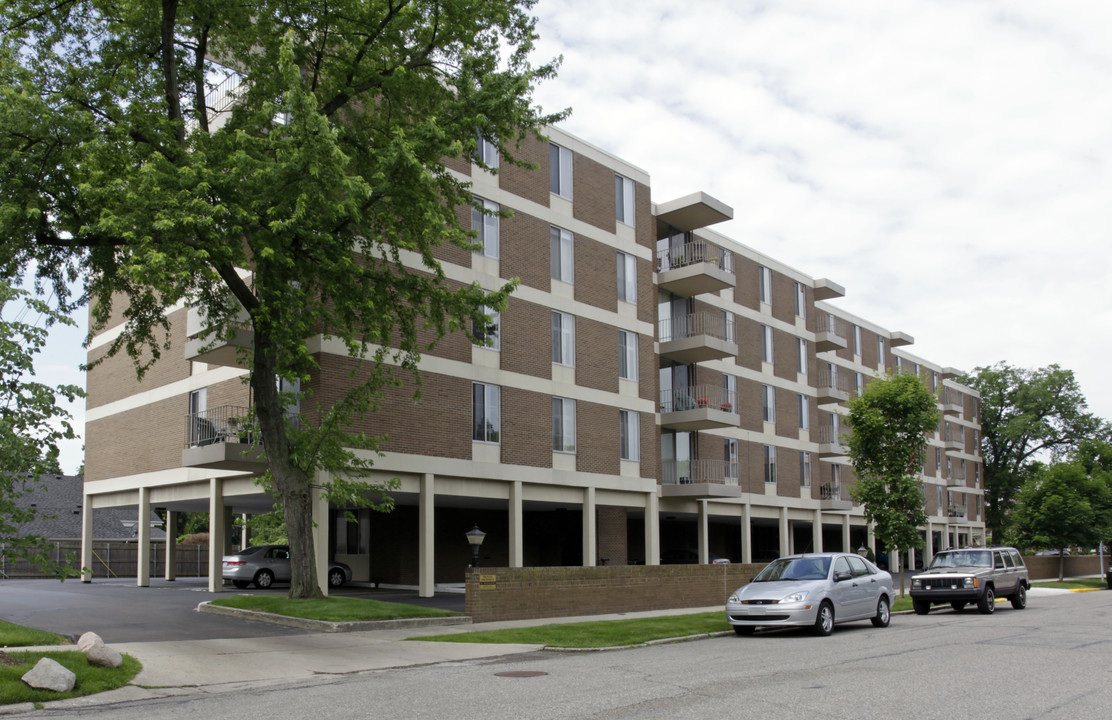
(331, 614)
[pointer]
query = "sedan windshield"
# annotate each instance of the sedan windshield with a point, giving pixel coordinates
(963, 558)
(800, 568)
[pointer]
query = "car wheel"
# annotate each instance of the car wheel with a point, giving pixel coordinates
(241, 583)
(743, 630)
(922, 607)
(987, 602)
(958, 606)
(1019, 598)
(335, 577)
(883, 613)
(824, 620)
(264, 579)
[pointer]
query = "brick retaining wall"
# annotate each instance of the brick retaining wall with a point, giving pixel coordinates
(1045, 567)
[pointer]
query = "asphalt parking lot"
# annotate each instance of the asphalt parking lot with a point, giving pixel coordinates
(121, 612)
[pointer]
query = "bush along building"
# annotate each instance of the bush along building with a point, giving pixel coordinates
(654, 392)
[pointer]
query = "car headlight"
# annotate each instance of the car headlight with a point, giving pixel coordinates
(734, 598)
(795, 597)
(969, 582)
(916, 584)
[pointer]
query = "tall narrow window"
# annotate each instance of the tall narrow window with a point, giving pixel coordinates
(731, 459)
(859, 383)
(800, 300)
(627, 355)
(728, 325)
(857, 340)
(563, 257)
(802, 353)
(486, 225)
(486, 414)
(559, 170)
(201, 429)
(627, 278)
(623, 199)
(487, 153)
(630, 439)
(563, 425)
(764, 284)
(563, 338)
(805, 469)
(879, 351)
(729, 392)
(804, 412)
(938, 461)
(770, 463)
(941, 500)
(766, 344)
(488, 335)
(768, 394)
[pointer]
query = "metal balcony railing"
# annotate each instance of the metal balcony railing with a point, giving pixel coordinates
(827, 435)
(694, 251)
(227, 423)
(831, 491)
(698, 323)
(685, 472)
(698, 396)
(839, 381)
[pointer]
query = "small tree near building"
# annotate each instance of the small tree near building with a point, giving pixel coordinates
(888, 425)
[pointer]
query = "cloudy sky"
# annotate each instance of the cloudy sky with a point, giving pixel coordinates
(947, 162)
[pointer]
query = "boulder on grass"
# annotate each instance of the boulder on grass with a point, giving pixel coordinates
(104, 656)
(88, 640)
(49, 675)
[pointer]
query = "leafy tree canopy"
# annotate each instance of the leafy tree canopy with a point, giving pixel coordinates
(278, 165)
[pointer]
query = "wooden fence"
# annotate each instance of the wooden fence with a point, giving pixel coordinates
(112, 559)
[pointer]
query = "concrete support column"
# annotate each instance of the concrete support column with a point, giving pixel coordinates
(216, 535)
(171, 545)
(86, 539)
(870, 536)
(321, 529)
(516, 526)
(426, 525)
(652, 528)
(785, 536)
(845, 535)
(590, 528)
(703, 532)
(746, 535)
(928, 549)
(244, 534)
(816, 531)
(143, 558)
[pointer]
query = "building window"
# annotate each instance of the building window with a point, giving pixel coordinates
(770, 463)
(800, 301)
(486, 225)
(623, 199)
(563, 256)
(627, 278)
(938, 461)
(805, 469)
(563, 425)
(730, 448)
(804, 412)
(627, 355)
(857, 340)
(802, 344)
(976, 440)
(768, 394)
(766, 344)
(941, 500)
(630, 434)
(728, 325)
(859, 383)
(879, 351)
(729, 392)
(488, 336)
(764, 284)
(486, 415)
(559, 170)
(563, 338)
(976, 475)
(201, 429)
(934, 382)
(487, 153)
(949, 467)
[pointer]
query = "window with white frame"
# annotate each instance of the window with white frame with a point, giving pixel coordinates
(731, 458)
(563, 255)
(559, 170)
(487, 153)
(859, 382)
(941, 500)
(770, 463)
(976, 440)
(976, 475)
(804, 412)
(879, 350)
(728, 325)
(627, 278)
(729, 391)
(934, 382)
(563, 338)
(623, 199)
(836, 481)
(486, 225)
(857, 340)
(486, 413)
(938, 461)
(802, 345)
(800, 300)
(768, 396)
(764, 284)
(627, 355)
(949, 467)
(805, 469)
(766, 344)
(563, 425)
(489, 335)
(201, 429)
(630, 434)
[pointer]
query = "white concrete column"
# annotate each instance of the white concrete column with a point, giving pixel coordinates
(816, 531)
(516, 526)
(652, 528)
(870, 536)
(143, 559)
(426, 550)
(244, 533)
(321, 529)
(171, 545)
(746, 535)
(216, 535)
(928, 549)
(845, 534)
(703, 532)
(590, 528)
(86, 539)
(785, 537)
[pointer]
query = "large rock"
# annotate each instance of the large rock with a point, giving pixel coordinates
(49, 675)
(104, 656)
(88, 640)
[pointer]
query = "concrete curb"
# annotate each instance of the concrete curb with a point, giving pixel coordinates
(331, 627)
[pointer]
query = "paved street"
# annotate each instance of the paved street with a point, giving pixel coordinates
(1051, 660)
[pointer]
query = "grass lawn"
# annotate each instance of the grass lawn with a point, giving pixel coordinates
(1077, 584)
(90, 679)
(331, 609)
(12, 635)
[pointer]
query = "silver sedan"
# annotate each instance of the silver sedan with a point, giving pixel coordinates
(266, 564)
(813, 590)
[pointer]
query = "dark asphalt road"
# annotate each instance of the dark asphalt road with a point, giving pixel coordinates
(120, 612)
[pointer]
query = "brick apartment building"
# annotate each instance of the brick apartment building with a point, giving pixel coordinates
(655, 392)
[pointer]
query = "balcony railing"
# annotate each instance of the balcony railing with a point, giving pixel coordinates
(827, 435)
(224, 424)
(686, 472)
(834, 385)
(831, 491)
(698, 323)
(698, 396)
(689, 253)
(957, 512)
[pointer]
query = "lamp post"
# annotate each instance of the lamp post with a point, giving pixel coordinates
(475, 538)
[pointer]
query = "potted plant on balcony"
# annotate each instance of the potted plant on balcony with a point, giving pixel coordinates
(701, 402)
(727, 407)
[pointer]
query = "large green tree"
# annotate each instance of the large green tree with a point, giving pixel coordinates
(277, 164)
(889, 422)
(1026, 415)
(32, 420)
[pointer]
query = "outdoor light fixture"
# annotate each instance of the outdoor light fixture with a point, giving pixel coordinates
(475, 537)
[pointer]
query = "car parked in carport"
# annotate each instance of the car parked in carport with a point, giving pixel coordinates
(265, 565)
